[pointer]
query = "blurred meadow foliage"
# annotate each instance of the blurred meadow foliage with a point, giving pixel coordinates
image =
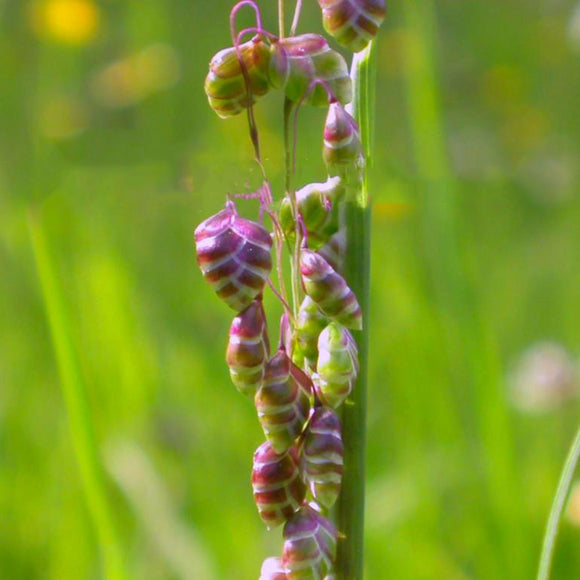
(109, 156)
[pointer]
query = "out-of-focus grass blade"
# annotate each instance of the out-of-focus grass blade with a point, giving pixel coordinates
(75, 398)
(179, 544)
(553, 524)
(468, 338)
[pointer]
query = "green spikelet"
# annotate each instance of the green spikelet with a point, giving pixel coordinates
(225, 86)
(337, 366)
(329, 290)
(318, 206)
(309, 324)
(298, 60)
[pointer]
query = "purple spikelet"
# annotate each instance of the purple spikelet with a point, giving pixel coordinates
(282, 402)
(278, 487)
(329, 290)
(323, 456)
(234, 255)
(309, 545)
(353, 23)
(248, 348)
(272, 569)
(342, 147)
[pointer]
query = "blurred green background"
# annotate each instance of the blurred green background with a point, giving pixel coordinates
(109, 157)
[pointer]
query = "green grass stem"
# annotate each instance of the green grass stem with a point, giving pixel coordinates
(351, 504)
(74, 391)
(557, 510)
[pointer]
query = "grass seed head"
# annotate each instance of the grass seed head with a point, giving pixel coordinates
(299, 60)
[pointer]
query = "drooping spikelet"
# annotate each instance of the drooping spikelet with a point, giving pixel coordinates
(248, 348)
(329, 290)
(323, 456)
(272, 569)
(282, 402)
(277, 484)
(225, 85)
(353, 23)
(318, 207)
(309, 545)
(298, 60)
(310, 322)
(337, 366)
(234, 255)
(342, 147)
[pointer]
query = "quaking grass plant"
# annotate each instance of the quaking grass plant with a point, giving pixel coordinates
(310, 392)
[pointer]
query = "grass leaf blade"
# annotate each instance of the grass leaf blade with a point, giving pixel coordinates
(77, 406)
(557, 510)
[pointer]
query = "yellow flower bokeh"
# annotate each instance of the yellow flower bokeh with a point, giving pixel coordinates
(73, 22)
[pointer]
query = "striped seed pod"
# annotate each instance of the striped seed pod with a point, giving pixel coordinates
(337, 366)
(277, 484)
(323, 456)
(234, 255)
(318, 206)
(309, 545)
(310, 322)
(272, 569)
(334, 250)
(342, 147)
(353, 23)
(282, 403)
(296, 61)
(329, 290)
(248, 348)
(225, 85)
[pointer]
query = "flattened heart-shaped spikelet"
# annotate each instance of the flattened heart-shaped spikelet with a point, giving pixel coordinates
(225, 85)
(310, 322)
(234, 255)
(337, 366)
(318, 205)
(298, 60)
(323, 456)
(282, 402)
(353, 23)
(248, 348)
(342, 147)
(329, 290)
(277, 484)
(309, 545)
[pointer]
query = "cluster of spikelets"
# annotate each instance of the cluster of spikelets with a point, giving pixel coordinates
(298, 389)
